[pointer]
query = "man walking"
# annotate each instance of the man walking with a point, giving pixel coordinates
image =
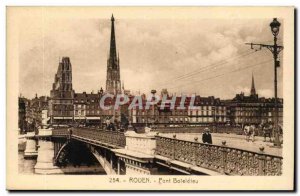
(206, 136)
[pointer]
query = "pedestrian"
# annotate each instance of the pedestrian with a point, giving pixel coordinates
(206, 136)
(134, 129)
(70, 133)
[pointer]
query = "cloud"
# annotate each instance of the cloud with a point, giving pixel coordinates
(265, 92)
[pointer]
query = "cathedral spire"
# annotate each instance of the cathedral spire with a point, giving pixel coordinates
(113, 83)
(113, 48)
(253, 91)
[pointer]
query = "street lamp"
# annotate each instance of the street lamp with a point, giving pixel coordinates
(275, 49)
(275, 27)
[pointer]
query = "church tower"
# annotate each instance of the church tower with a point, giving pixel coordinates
(62, 94)
(113, 83)
(253, 91)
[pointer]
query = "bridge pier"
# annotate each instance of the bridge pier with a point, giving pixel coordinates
(31, 148)
(45, 163)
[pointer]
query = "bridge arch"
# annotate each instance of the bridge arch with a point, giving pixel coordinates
(58, 153)
(103, 160)
(104, 157)
(74, 153)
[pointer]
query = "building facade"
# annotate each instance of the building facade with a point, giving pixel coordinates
(205, 110)
(208, 110)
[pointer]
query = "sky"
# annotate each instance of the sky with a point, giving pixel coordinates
(203, 56)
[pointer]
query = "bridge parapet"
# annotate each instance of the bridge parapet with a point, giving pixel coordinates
(222, 159)
(143, 143)
(60, 132)
(44, 132)
(30, 135)
(113, 138)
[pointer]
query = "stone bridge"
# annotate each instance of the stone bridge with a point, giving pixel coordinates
(148, 154)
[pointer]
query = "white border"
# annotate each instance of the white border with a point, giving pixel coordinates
(5, 3)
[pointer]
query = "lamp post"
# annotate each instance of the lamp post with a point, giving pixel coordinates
(153, 106)
(275, 49)
(275, 25)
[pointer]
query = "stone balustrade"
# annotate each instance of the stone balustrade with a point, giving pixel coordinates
(222, 159)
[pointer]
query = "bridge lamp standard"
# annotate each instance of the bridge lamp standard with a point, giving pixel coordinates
(275, 26)
(275, 49)
(153, 92)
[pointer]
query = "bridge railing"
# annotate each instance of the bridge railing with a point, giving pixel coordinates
(222, 159)
(108, 137)
(200, 129)
(60, 132)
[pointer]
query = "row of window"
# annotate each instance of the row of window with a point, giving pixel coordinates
(207, 113)
(178, 120)
(62, 112)
(86, 100)
(256, 108)
(88, 106)
(243, 120)
(63, 107)
(62, 101)
(91, 112)
(257, 113)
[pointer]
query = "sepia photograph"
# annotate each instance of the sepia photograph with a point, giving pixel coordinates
(150, 98)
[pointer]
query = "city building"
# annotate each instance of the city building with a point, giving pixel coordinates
(33, 113)
(252, 109)
(23, 104)
(208, 110)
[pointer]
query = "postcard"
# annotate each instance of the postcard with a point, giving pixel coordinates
(150, 98)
